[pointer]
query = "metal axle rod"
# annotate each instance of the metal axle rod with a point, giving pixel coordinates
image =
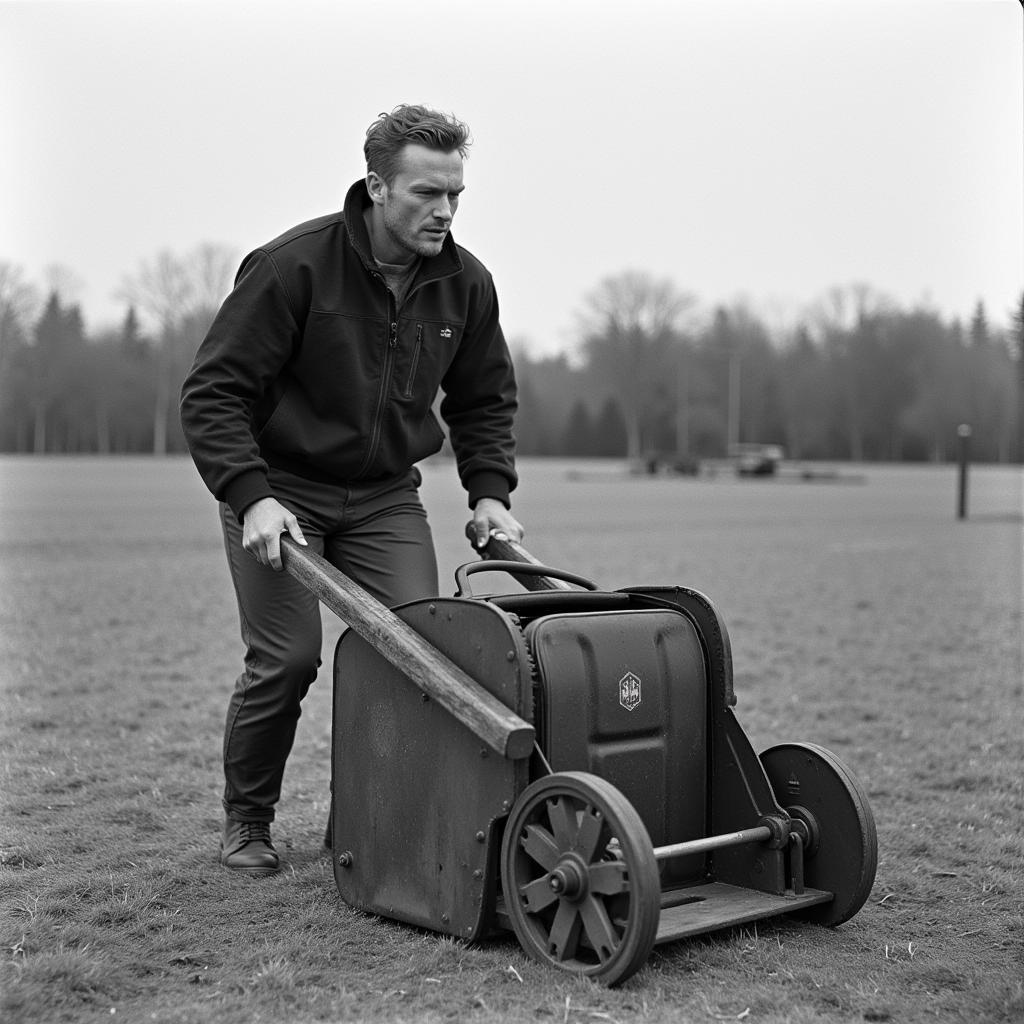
(758, 834)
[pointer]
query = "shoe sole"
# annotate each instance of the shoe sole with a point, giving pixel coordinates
(254, 872)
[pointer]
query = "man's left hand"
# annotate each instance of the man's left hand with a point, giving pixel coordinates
(489, 515)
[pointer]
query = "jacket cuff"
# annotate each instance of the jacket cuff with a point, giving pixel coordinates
(246, 488)
(488, 484)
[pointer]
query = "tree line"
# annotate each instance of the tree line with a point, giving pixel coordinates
(652, 377)
(857, 378)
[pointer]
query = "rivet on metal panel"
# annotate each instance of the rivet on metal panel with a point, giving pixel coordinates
(478, 873)
(505, 805)
(432, 609)
(480, 837)
(445, 919)
(510, 656)
(483, 752)
(345, 859)
(424, 697)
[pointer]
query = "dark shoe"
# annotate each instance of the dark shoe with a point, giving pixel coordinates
(246, 846)
(329, 831)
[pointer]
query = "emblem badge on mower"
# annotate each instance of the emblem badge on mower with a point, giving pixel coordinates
(629, 691)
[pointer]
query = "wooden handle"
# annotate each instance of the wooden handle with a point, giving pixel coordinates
(434, 673)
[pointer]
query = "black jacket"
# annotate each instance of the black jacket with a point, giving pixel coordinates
(309, 367)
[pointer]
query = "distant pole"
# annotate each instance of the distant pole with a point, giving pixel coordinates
(963, 433)
(733, 413)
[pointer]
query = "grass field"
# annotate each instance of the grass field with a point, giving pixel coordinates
(863, 617)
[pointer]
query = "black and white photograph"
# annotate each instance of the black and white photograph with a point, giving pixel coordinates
(511, 511)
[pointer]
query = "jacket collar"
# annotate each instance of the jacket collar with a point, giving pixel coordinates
(446, 263)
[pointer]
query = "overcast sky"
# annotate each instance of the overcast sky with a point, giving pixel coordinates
(767, 149)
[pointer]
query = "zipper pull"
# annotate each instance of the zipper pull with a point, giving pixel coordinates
(393, 340)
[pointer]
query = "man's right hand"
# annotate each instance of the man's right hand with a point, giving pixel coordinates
(263, 522)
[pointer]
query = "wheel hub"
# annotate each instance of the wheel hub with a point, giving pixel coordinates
(568, 879)
(806, 826)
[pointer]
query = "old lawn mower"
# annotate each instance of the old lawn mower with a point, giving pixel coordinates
(565, 763)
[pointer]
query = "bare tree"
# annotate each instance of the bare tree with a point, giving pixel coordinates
(176, 293)
(19, 301)
(630, 335)
(211, 268)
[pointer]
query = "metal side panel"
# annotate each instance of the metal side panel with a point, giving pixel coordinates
(705, 908)
(417, 797)
(623, 694)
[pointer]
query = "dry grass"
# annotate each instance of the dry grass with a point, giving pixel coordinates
(863, 617)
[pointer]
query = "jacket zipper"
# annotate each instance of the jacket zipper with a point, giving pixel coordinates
(415, 360)
(389, 359)
(385, 382)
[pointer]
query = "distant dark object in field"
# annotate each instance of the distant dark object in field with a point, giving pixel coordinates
(756, 459)
(827, 476)
(686, 465)
(793, 474)
(657, 465)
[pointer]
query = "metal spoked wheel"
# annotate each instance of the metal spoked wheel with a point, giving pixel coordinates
(579, 877)
(815, 787)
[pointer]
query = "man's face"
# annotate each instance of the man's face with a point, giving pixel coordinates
(417, 208)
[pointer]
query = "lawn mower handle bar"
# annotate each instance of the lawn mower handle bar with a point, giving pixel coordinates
(425, 666)
(500, 549)
(516, 568)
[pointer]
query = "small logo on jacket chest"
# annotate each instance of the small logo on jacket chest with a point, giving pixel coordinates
(446, 332)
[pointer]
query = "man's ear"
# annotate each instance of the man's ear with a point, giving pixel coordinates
(376, 187)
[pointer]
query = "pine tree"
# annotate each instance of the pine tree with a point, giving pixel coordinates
(579, 432)
(610, 431)
(59, 338)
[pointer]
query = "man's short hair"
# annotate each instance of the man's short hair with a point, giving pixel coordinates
(408, 123)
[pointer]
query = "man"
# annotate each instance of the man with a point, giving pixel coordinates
(307, 406)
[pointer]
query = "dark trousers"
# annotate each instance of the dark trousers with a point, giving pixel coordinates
(378, 535)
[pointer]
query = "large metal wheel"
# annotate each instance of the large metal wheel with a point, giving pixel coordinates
(815, 787)
(579, 877)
